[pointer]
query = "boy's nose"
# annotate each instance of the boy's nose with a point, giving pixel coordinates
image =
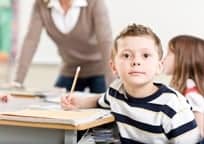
(134, 63)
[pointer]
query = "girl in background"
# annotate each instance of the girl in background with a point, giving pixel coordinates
(185, 62)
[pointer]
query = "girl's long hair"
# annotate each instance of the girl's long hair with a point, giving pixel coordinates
(189, 61)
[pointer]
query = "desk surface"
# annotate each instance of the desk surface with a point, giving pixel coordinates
(23, 103)
(37, 132)
(95, 123)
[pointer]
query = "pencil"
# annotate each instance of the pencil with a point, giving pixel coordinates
(75, 80)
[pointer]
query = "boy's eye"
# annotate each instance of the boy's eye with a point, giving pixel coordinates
(126, 55)
(146, 55)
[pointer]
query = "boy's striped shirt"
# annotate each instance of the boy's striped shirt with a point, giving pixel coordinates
(161, 118)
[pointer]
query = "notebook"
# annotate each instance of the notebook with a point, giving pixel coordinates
(73, 117)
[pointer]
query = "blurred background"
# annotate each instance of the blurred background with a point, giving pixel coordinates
(167, 18)
(14, 20)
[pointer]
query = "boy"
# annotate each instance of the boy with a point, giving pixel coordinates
(145, 112)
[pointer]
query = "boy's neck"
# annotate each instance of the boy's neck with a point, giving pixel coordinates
(141, 91)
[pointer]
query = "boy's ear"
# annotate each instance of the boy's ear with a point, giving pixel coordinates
(113, 68)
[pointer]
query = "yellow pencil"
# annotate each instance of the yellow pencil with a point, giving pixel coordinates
(75, 80)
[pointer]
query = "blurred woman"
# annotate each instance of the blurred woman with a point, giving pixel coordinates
(82, 33)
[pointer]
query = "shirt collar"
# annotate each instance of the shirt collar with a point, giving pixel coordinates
(76, 3)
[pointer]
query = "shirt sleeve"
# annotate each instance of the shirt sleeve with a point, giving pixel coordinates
(103, 101)
(182, 124)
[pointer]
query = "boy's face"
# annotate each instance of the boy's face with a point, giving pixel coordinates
(169, 63)
(137, 61)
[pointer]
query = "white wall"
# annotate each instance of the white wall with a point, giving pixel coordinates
(166, 17)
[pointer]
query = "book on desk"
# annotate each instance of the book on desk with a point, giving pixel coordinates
(72, 117)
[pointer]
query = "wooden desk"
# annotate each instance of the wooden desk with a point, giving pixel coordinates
(43, 133)
(22, 132)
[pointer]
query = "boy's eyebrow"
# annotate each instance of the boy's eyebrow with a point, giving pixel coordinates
(147, 49)
(126, 50)
(130, 49)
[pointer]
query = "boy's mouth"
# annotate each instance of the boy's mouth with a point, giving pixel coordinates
(136, 73)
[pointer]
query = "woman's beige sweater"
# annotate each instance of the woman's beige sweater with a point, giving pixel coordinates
(88, 45)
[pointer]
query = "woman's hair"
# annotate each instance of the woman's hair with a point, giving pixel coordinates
(189, 61)
(137, 30)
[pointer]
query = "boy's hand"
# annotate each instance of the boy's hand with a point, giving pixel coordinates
(70, 103)
(79, 101)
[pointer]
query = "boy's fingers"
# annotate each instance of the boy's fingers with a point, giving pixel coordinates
(64, 99)
(64, 103)
(67, 107)
(68, 98)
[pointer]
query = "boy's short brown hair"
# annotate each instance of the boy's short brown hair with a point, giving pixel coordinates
(137, 30)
